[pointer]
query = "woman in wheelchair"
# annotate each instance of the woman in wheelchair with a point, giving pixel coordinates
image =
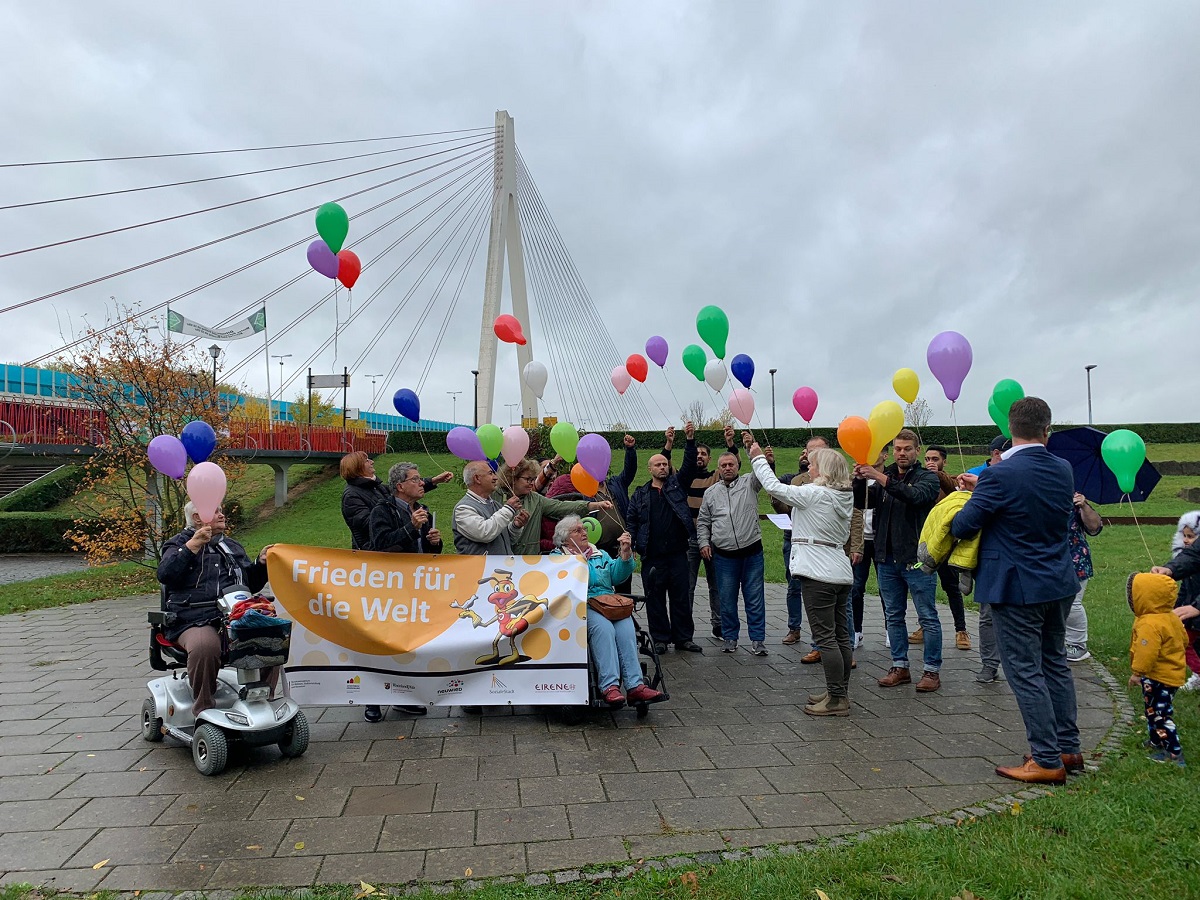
(612, 644)
(198, 566)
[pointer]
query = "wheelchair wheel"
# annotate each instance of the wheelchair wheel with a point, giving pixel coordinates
(296, 741)
(210, 749)
(643, 709)
(151, 723)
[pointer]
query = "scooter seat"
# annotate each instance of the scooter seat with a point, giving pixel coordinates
(161, 640)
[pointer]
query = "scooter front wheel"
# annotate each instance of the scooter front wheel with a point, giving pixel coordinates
(151, 723)
(210, 749)
(296, 741)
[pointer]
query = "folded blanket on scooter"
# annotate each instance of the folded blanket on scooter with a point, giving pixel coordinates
(253, 618)
(258, 641)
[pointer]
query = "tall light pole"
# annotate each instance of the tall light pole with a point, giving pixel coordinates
(373, 394)
(454, 405)
(511, 407)
(214, 351)
(475, 372)
(773, 371)
(281, 357)
(1088, 370)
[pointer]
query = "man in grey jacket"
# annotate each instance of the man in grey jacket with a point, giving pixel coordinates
(481, 525)
(728, 534)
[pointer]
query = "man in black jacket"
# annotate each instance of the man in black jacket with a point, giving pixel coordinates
(903, 494)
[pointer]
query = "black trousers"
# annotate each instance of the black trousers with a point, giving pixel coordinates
(948, 576)
(666, 580)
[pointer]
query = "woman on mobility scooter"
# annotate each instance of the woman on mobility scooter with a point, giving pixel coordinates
(612, 644)
(198, 566)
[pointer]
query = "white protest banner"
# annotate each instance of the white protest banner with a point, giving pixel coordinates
(398, 628)
(247, 328)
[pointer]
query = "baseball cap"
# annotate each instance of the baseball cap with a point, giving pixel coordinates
(999, 442)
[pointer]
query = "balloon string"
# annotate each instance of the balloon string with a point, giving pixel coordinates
(350, 297)
(663, 369)
(336, 324)
(1139, 528)
(421, 435)
(655, 402)
(957, 440)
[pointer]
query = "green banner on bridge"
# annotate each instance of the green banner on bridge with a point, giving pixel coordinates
(248, 328)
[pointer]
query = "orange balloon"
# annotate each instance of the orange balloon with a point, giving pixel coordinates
(854, 436)
(584, 483)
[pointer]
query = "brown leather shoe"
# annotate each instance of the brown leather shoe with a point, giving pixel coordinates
(1072, 762)
(853, 663)
(918, 636)
(1033, 773)
(962, 640)
(930, 682)
(792, 636)
(812, 656)
(895, 676)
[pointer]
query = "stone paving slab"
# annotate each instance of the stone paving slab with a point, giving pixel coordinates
(730, 762)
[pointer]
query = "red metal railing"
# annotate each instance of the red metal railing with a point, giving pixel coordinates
(49, 422)
(300, 438)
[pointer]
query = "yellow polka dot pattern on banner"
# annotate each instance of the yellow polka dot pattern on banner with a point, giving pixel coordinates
(536, 644)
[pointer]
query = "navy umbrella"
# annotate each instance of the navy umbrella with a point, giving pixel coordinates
(1081, 448)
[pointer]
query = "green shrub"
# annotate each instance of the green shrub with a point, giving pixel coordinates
(45, 493)
(35, 532)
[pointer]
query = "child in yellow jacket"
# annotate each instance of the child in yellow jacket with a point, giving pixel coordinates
(1156, 654)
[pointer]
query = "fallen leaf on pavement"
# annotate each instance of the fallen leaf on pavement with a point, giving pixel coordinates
(364, 890)
(101, 864)
(299, 845)
(467, 872)
(399, 737)
(298, 797)
(254, 846)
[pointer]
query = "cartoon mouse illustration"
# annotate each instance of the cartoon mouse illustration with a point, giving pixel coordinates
(512, 615)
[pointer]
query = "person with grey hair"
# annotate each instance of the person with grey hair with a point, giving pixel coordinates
(481, 525)
(404, 525)
(612, 644)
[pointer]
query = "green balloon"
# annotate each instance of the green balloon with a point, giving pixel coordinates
(1124, 452)
(491, 439)
(564, 439)
(998, 417)
(713, 327)
(333, 225)
(1006, 393)
(593, 529)
(694, 360)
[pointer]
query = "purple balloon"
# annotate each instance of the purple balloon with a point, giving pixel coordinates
(464, 443)
(656, 349)
(321, 258)
(594, 455)
(949, 357)
(168, 455)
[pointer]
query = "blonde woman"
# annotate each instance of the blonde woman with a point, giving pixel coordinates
(821, 512)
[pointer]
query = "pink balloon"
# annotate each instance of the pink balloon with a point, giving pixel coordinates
(620, 379)
(741, 404)
(206, 489)
(949, 357)
(516, 444)
(805, 401)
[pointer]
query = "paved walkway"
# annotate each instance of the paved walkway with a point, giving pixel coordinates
(26, 566)
(731, 761)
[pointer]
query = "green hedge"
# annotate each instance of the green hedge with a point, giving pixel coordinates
(35, 532)
(45, 493)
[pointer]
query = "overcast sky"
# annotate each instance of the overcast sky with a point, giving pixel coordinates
(845, 180)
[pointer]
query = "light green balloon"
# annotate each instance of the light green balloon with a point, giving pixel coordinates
(564, 439)
(998, 417)
(593, 529)
(1006, 393)
(332, 225)
(1124, 452)
(694, 360)
(491, 439)
(713, 327)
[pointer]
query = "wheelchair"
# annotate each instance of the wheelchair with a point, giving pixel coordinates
(242, 713)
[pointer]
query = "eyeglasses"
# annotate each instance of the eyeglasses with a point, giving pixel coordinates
(530, 478)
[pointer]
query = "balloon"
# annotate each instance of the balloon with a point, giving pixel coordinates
(636, 367)
(491, 439)
(508, 329)
(741, 404)
(805, 401)
(564, 439)
(198, 439)
(1124, 452)
(886, 420)
(1006, 393)
(998, 417)
(516, 444)
(714, 374)
(464, 443)
(906, 384)
(536, 374)
(593, 529)
(349, 267)
(206, 489)
(584, 483)
(949, 358)
(742, 368)
(694, 359)
(620, 379)
(333, 225)
(321, 258)
(854, 436)
(713, 327)
(168, 455)
(594, 455)
(408, 404)
(656, 349)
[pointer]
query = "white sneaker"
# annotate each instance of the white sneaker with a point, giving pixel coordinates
(1192, 684)
(887, 642)
(858, 639)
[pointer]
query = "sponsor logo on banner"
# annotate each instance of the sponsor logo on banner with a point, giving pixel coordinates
(453, 686)
(560, 688)
(499, 687)
(397, 687)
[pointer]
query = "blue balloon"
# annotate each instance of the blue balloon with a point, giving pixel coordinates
(199, 440)
(407, 404)
(742, 368)
(494, 464)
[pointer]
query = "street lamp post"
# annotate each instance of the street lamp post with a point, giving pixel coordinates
(373, 394)
(454, 405)
(214, 351)
(281, 357)
(773, 371)
(511, 407)
(475, 372)
(1088, 370)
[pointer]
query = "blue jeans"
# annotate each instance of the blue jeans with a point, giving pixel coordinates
(895, 582)
(795, 603)
(613, 648)
(745, 572)
(1032, 641)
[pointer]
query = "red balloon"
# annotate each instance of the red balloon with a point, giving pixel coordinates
(349, 267)
(636, 367)
(508, 329)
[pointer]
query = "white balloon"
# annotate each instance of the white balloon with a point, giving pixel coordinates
(714, 374)
(536, 374)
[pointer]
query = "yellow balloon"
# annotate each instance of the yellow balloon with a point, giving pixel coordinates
(906, 384)
(886, 420)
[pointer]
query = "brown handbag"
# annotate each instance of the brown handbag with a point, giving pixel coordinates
(613, 607)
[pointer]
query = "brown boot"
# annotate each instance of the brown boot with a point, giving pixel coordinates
(812, 656)
(830, 706)
(918, 636)
(792, 637)
(814, 699)
(930, 682)
(895, 676)
(1033, 773)
(962, 640)
(1072, 762)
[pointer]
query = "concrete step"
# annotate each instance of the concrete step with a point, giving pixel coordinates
(13, 478)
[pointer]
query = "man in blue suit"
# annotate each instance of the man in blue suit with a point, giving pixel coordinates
(1023, 506)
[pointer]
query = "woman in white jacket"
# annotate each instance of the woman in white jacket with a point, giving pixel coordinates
(821, 514)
